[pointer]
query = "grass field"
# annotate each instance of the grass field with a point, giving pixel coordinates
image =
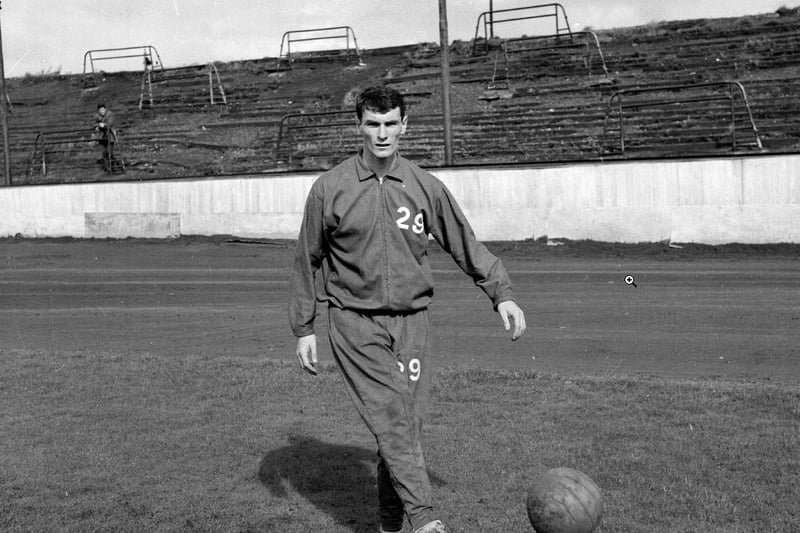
(107, 442)
(150, 386)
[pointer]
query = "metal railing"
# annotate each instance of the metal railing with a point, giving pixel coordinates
(147, 81)
(733, 87)
(319, 34)
(212, 73)
(211, 70)
(591, 39)
(489, 21)
(65, 138)
(286, 125)
(148, 54)
(500, 82)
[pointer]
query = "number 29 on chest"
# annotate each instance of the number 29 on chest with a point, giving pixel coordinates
(417, 226)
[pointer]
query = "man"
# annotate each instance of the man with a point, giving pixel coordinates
(104, 130)
(366, 225)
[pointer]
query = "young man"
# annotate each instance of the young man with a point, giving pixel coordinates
(104, 129)
(366, 226)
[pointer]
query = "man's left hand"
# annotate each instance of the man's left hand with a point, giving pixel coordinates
(510, 311)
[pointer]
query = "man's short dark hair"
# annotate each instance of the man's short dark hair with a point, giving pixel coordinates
(379, 99)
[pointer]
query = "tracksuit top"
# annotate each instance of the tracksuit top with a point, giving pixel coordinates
(370, 238)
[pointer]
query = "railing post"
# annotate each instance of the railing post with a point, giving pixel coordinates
(146, 79)
(621, 126)
(599, 51)
(749, 113)
(221, 88)
(558, 26)
(44, 154)
(284, 122)
(566, 19)
(733, 117)
(210, 87)
(32, 163)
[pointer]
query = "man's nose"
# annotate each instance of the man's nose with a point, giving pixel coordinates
(382, 131)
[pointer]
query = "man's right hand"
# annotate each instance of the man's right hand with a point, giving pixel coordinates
(307, 353)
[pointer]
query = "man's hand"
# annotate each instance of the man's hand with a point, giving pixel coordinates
(307, 353)
(510, 311)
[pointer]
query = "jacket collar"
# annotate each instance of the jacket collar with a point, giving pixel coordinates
(399, 170)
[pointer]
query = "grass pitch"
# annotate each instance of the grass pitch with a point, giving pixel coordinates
(113, 442)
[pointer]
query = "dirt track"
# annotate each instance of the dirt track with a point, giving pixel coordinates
(696, 312)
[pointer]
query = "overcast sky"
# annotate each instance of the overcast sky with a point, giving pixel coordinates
(53, 35)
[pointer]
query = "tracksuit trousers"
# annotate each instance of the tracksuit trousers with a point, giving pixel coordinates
(384, 360)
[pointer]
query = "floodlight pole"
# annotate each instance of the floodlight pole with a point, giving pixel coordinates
(4, 119)
(491, 19)
(446, 111)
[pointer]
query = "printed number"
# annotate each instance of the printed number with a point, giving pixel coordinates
(405, 214)
(414, 369)
(418, 226)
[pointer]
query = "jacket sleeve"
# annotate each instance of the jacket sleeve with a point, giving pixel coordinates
(308, 258)
(452, 231)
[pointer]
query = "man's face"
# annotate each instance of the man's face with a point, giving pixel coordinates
(101, 111)
(381, 132)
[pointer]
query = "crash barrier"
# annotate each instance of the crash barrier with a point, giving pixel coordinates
(541, 43)
(338, 33)
(180, 76)
(62, 144)
(488, 19)
(309, 121)
(686, 124)
(147, 53)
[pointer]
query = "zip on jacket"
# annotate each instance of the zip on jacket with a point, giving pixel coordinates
(370, 240)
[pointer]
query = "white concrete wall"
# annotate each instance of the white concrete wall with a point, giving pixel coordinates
(746, 200)
(713, 201)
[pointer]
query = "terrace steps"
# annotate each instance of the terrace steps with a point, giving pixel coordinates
(554, 108)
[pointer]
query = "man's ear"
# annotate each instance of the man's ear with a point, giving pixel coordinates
(404, 124)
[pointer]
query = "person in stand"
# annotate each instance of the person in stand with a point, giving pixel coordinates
(105, 133)
(366, 227)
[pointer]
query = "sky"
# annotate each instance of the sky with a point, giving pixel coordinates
(41, 36)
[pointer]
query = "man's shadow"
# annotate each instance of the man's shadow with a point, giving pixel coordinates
(339, 480)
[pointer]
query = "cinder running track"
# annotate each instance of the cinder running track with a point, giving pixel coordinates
(694, 312)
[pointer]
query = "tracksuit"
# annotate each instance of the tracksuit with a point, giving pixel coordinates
(369, 237)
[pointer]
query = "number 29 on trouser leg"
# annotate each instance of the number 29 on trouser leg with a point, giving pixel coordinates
(413, 368)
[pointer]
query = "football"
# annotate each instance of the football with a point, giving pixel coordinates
(564, 500)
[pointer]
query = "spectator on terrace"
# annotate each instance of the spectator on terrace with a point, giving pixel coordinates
(105, 133)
